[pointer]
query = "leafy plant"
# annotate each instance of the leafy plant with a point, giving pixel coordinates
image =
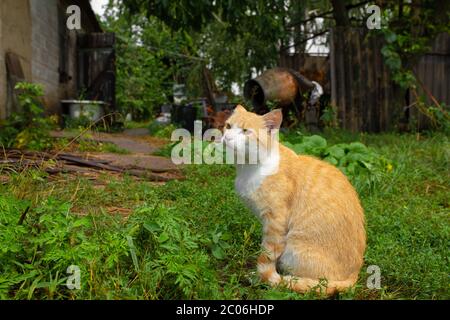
(353, 159)
(149, 58)
(28, 128)
(440, 115)
(161, 131)
(81, 122)
(328, 116)
(437, 113)
(396, 46)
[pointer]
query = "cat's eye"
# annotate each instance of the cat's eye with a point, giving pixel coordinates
(246, 131)
(228, 126)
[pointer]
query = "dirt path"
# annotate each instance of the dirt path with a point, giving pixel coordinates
(132, 141)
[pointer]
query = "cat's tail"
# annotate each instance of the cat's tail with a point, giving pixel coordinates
(327, 287)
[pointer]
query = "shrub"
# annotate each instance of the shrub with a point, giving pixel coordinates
(28, 128)
(161, 131)
(354, 159)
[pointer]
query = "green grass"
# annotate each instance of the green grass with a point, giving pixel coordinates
(87, 145)
(195, 239)
(137, 124)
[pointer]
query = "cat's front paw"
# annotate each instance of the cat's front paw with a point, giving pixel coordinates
(268, 273)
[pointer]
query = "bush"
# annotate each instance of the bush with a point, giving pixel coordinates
(160, 130)
(28, 128)
(354, 159)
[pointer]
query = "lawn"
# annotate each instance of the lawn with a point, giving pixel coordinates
(195, 239)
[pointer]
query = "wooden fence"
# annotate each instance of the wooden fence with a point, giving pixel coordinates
(362, 90)
(361, 87)
(433, 70)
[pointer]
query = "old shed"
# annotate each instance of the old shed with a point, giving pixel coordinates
(36, 46)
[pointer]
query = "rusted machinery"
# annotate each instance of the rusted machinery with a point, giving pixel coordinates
(285, 87)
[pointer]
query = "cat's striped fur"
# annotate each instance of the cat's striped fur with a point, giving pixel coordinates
(313, 223)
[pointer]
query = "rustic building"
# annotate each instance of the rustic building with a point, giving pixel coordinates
(36, 46)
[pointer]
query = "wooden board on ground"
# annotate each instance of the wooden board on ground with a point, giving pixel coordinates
(150, 168)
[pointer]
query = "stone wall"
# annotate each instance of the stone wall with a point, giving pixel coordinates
(15, 36)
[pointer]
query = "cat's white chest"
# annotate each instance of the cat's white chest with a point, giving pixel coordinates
(250, 177)
(248, 180)
(247, 183)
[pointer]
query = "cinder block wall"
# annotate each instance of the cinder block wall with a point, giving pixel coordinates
(45, 46)
(30, 29)
(15, 36)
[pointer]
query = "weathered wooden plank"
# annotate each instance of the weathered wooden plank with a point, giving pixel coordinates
(358, 78)
(349, 43)
(370, 84)
(388, 102)
(364, 86)
(333, 77)
(446, 83)
(341, 77)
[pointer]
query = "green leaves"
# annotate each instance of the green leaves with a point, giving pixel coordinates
(28, 128)
(313, 145)
(133, 252)
(152, 227)
(232, 37)
(402, 46)
(353, 159)
(29, 91)
(219, 243)
(218, 252)
(36, 254)
(336, 151)
(315, 142)
(408, 34)
(144, 70)
(169, 247)
(163, 237)
(390, 36)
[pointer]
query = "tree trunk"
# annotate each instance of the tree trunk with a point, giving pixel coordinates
(340, 13)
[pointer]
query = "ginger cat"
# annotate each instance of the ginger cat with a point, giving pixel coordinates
(313, 223)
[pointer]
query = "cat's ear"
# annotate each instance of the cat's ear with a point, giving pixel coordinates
(239, 108)
(273, 119)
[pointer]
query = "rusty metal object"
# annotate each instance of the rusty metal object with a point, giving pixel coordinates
(282, 85)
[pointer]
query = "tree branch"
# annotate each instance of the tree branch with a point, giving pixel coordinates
(324, 14)
(305, 40)
(311, 18)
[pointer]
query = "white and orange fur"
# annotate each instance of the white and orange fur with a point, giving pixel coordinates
(313, 223)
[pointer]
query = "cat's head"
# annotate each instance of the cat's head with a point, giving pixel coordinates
(244, 130)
